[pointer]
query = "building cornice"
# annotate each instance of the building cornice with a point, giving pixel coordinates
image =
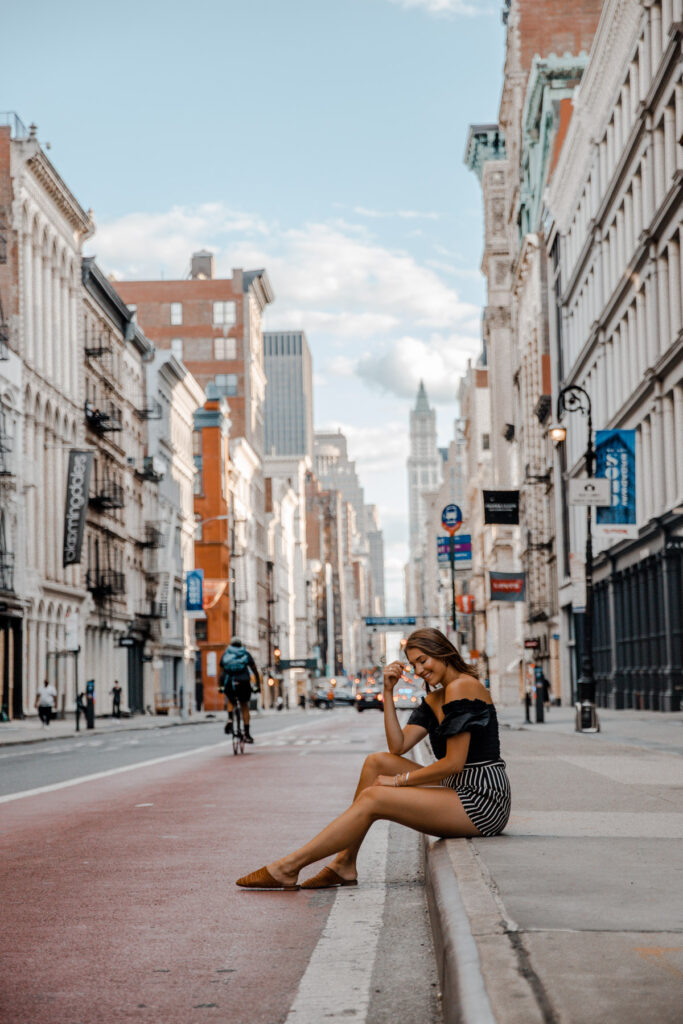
(46, 176)
(485, 142)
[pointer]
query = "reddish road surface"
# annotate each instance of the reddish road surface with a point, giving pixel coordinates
(119, 901)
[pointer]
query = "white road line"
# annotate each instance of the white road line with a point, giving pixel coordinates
(111, 771)
(336, 984)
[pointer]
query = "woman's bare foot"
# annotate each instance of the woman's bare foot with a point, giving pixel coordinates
(345, 869)
(281, 872)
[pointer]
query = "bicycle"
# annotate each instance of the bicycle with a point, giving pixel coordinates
(238, 738)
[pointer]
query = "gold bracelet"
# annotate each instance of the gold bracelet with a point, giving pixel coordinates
(405, 778)
(396, 782)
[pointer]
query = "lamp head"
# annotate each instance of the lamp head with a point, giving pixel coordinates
(558, 434)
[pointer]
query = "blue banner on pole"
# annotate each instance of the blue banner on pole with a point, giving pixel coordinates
(194, 593)
(615, 459)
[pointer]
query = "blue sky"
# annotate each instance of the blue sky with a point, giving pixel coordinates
(320, 139)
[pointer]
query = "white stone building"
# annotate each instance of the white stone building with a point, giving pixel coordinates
(614, 242)
(173, 396)
(40, 290)
(292, 620)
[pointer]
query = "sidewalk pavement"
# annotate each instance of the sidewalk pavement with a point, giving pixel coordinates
(31, 730)
(574, 914)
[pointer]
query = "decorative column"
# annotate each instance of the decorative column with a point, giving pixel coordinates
(27, 297)
(675, 311)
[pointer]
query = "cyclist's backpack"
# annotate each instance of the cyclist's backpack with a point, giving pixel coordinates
(234, 660)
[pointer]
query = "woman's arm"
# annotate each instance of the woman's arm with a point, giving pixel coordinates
(399, 740)
(454, 761)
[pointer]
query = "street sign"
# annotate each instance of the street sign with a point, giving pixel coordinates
(589, 491)
(451, 519)
(532, 642)
(310, 663)
(390, 620)
(126, 641)
(462, 549)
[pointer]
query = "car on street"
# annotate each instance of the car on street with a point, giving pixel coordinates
(405, 697)
(369, 698)
(322, 699)
(343, 695)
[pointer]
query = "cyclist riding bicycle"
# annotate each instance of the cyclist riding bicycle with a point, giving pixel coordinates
(237, 667)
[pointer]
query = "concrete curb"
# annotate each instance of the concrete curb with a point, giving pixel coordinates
(464, 998)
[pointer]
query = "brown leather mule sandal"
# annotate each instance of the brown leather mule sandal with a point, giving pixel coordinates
(262, 879)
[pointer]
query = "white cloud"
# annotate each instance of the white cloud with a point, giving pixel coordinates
(398, 367)
(448, 8)
(363, 211)
(376, 448)
(327, 277)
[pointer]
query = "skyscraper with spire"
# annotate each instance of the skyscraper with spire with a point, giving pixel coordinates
(425, 466)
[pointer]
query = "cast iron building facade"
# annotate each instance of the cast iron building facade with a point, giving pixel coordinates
(614, 242)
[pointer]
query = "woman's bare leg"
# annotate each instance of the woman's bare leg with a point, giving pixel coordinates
(436, 811)
(382, 763)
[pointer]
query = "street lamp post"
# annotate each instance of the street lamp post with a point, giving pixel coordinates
(574, 398)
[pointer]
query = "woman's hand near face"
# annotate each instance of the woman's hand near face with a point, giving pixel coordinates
(392, 674)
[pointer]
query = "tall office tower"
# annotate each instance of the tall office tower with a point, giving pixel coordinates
(288, 406)
(425, 467)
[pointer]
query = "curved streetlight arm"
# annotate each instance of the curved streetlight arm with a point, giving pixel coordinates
(574, 398)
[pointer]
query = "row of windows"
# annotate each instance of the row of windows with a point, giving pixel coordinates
(223, 348)
(224, 313)
(634, 88)
(646, 329)
(282, 344)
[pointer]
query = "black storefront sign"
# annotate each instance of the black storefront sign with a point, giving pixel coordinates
(501, 507)
(77, 485)
(310, 663)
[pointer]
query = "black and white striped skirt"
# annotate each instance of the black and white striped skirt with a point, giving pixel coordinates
(484, 791)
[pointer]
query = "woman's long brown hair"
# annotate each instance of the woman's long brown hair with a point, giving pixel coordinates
(433, 643)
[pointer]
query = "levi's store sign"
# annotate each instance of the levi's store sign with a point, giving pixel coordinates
(507, 586)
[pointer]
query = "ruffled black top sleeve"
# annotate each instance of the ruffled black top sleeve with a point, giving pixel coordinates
(476, 717)
(422, 716)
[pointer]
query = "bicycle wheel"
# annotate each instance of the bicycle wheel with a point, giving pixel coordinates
(237, 737)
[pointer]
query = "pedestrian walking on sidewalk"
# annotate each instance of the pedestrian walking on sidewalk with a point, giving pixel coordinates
(116, 699)
(464, 792)
(46, 699)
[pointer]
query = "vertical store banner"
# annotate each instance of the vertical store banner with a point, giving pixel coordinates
(194, 593)
(615, 459)
(77, 486)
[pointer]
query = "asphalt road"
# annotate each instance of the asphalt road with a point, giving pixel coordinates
(118, 893)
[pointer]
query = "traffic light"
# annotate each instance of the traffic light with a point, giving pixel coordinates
(276, 654)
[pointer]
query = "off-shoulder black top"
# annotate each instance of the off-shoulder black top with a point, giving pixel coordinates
(476, 717)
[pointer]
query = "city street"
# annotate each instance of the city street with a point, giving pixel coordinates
(120, 901)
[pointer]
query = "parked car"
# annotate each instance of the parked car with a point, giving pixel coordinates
(343, 695)
(405, 697)
(369, 699)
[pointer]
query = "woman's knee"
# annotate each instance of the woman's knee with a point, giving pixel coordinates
(377, 762)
